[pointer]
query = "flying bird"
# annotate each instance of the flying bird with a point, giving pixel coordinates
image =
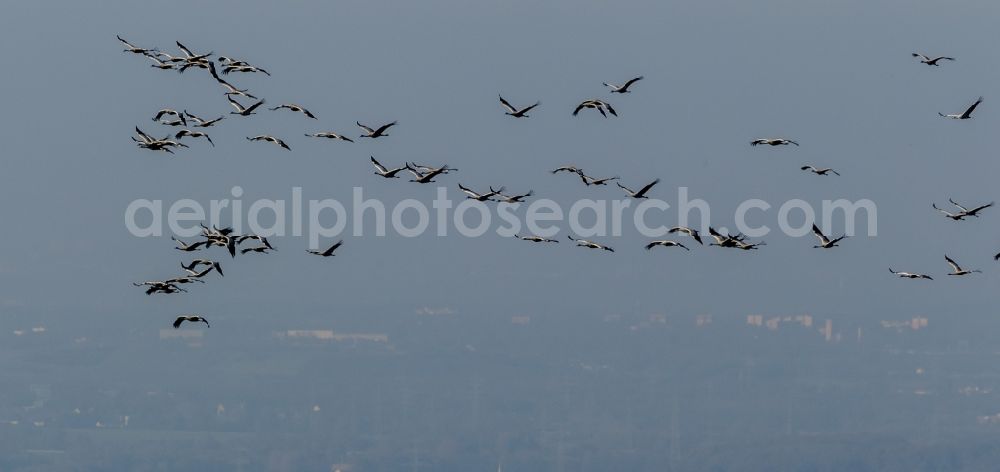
(230, 63)
(190, 319)
(188, 247)
(258, 249)
(295, 108)
(958, 270)
(424, 169)
(159, 287)
(203, 262)
(665, 243)
(160, 64)
(954, 216)
(910, 275)
(178, 122)
(512, 198)
(375, 133)
(971, 211)
(573, 169)
(242, 110)
(963, 211)
(773, 142)
(820, 170)
(168, 58)
(243, 68)
(589, 244)
(190, 56)
(536, 239)
(194, 134)
(146, 141)
(198, 274)
(592, 181)
(330, 135)
(328, 252)
(185, 279)
(425, 178)
(825, 242)
(255, 237)
(966, 114)
(169, 112)
(129, 47)
(624, 87)
(688, 231)
(270, 139)
(522, 113)
(596, 104)
(725, 240)
(479, 197)
(384, 171)
(202, 123)
(932, 62)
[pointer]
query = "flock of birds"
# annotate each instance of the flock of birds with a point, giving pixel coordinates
(423, 174)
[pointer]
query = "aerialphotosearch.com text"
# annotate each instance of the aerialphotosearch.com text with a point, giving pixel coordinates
(329, 218)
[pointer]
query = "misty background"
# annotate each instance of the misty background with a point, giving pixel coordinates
(517, 322)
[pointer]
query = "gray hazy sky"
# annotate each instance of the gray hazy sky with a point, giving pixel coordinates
(836, 76)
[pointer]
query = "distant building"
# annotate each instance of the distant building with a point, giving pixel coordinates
(435, 311)
(321, 334)
(916, 323)
(330, 335)
(520, 320)
(774, 322)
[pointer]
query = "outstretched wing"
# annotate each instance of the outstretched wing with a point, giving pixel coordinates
(126, 43)
(527, 109)
(187, 52)
(435, 173)
(934, 206)
(239, 108)
(333, 248)
(630, 82)
(378, 166)
(819, 234)
(968, 112)
(960, 207)
(645, 189)
(507, 105)
(979, 208)
(952, 263)
(384, 127)
(255, 105)
(145, 137)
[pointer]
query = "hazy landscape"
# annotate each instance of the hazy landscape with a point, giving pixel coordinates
(511, 352)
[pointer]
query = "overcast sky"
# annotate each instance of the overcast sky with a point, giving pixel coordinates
(835, 76)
